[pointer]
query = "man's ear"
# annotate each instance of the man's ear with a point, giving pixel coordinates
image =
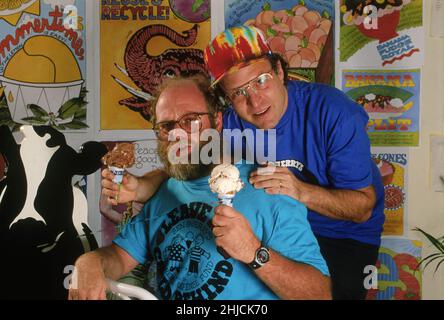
(280, 71)
(218, 121)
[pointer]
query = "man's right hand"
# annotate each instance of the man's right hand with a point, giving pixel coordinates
(88, 281)
(125, 193)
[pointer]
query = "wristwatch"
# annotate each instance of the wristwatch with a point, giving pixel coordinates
(261, 257)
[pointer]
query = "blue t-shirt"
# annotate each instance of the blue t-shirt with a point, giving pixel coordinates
(322, 139)
(174, 228)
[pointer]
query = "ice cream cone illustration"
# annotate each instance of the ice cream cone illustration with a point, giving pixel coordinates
(43, 73)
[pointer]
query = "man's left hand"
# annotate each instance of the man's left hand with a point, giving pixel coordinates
(233, 233)
(278, 180)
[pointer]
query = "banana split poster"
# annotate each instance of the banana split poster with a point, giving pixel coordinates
(381, 33)
(43, 64)
(141, 43)
(391, 99)
(300, 31)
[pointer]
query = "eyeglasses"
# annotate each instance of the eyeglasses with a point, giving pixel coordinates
(261, 82)
(185, 122)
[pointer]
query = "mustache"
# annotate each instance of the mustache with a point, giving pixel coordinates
(184, 170)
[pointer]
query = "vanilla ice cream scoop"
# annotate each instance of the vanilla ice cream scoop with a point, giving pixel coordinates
(225, 180)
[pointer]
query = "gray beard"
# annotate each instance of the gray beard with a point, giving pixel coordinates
(183, 171)
(187, 171)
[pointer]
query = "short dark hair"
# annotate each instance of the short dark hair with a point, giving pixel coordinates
(274, 58)
(201, 81)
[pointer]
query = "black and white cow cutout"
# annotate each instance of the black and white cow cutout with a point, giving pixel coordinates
(43, 218)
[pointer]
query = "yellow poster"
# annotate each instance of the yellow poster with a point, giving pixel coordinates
(143, 42)
(43, 64)
(393, 168)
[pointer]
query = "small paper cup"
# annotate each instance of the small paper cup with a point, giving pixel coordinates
(226, 199)
(118, 174)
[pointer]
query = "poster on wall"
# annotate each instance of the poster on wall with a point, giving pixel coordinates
(43, 63)
(391, 99)
(383, 33)
(115, 217)
(398, 275)
(392, 164)
(300, 31)
(141, 44)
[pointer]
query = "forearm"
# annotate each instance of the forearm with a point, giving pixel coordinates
(294, 281)
(352, 205)
(104, 261)
(149, 184)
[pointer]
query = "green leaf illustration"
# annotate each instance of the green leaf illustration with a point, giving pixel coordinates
(271, 32)
(6, 122)
(34, 120)
(69, 108)
(290, 12)
(266, 6)
(83, 93)
(37, 111)
(75, 124)
(80, 114)
(196, 5)
(326, 15)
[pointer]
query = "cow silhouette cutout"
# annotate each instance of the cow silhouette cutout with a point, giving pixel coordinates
(43, 218)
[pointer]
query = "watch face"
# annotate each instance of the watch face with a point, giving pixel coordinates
(263, 255)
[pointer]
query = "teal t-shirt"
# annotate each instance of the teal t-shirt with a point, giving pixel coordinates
(174, 229)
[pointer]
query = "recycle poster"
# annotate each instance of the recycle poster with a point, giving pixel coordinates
(391, 99)
(393, 166)
(142, 44)
(382, 33)
(43, 63)
(300, 31)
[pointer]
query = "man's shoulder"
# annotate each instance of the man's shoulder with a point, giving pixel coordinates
(261, 199)
(231, 119)
(168, 187)
(325, 100)
(313, 88)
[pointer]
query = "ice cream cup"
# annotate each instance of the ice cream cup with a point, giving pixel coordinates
(118, 174)
(226, 199)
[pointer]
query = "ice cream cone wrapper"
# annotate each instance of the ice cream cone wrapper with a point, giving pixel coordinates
(118, 174)
(226, 199)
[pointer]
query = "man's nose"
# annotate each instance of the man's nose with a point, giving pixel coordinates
(253, 96)
(177, 134)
